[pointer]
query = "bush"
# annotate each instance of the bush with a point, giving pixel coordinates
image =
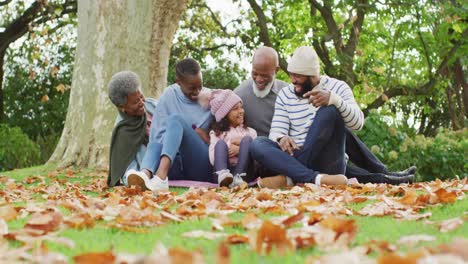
(16, 149)
(442, 156)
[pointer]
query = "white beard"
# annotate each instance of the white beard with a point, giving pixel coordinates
(264, 92)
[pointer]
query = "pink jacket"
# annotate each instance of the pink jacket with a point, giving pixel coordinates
(227, 136)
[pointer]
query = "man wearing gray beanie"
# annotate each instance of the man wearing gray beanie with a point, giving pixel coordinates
(308, 132)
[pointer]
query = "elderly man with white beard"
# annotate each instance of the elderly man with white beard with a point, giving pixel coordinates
(259, 95)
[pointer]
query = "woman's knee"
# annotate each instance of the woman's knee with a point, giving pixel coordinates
(175, 118)
(221, 144)
(246, 140)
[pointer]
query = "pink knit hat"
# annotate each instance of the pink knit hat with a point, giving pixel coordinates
(221, 102)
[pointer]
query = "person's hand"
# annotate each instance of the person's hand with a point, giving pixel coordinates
(318, 97)
(236, 141)
(233, 150)
(288, 145)
(203, 134)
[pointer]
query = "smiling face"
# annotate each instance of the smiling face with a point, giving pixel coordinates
(191, 85)
(264, 68)
(303, 83)
(135, 105)
(235, 117)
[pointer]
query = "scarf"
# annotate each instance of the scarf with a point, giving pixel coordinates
(127, 137)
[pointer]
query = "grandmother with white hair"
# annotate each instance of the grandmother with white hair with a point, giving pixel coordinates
(131, 132)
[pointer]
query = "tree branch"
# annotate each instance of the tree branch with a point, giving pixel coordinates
(354, 32)
(421, 90)
(193, 48)
(3, 3)
(20, 25)
(264, 36)
(426, 52)
(327, 15)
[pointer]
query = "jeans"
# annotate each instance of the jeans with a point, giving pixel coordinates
(244, 161)
(323, 150)
(186, 150)
(366, 163)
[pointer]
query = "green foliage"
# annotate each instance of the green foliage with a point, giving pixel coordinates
(443, 156)
(38, 74)
(16, 149)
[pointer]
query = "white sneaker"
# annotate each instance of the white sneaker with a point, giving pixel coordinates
(224, 178)
(138, 178)
(237, 180)
(157, 184)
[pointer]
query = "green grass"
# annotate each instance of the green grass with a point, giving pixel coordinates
(102, 238)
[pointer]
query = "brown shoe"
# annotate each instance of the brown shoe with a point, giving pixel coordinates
(329, 179)
(274, 182)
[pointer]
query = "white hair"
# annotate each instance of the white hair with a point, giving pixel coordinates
(122, 84)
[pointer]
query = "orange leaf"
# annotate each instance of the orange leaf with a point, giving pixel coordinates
(293, 219)
(445, 196)
(45, 221)
(263, 196)
(181, 256)
(95, 257)
(237, 239)
(409, 198)
(271, 236)
(223, 255)
(340, 226)
(314, 218)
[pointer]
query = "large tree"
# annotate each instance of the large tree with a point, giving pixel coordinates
(18, 20)
(113, 36)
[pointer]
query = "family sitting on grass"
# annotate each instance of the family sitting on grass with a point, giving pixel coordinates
(283, 134)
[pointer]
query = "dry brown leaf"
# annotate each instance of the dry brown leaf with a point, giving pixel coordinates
(80, 221)
(223, 255)
(251, 221)
(450, 224)
(314, 218)
(95, 257)
(340, 226)
(181, 256)
(269, 237)
(457, 247)
(263, 195)
(8, 212)
(412, 240)
(44, 221)
(409, 198)
(293, 219)
(237, 239)
(446, 196)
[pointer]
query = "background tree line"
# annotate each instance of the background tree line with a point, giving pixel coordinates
(405, 60)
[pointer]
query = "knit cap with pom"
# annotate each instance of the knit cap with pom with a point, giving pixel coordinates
(221, 103)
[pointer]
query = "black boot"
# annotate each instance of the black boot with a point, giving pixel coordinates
(409, 171)
(395, 180)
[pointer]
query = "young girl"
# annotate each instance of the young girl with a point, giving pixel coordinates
(229, 138)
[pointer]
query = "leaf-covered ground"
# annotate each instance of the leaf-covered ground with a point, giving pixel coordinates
(71, 216)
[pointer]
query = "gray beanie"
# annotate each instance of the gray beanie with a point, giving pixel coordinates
(305, 62)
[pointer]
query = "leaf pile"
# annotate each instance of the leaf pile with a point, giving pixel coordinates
(274, 221)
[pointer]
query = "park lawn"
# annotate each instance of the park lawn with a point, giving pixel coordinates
(101, 238)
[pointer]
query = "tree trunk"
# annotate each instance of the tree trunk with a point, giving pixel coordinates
(2, 99)
(113, 35)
